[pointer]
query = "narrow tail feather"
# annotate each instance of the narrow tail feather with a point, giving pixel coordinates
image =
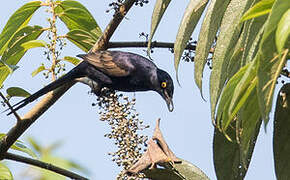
(70, 76)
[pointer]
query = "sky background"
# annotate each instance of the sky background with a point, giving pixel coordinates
(187, 130)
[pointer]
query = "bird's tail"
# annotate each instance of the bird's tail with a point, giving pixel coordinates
(70, 76)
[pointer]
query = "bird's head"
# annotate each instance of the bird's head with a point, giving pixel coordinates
(165, 88)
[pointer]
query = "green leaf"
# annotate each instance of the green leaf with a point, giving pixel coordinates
(82, 39)
(34, 144)
(157, 173)
(159, 9)
(33, 44)
(251, 121)
(190, 18)
(55, 161)
(228, 36)
(5, 172)
(190, 171)
(38, 70)
(183, 170)
(261, 8)
(270, 64)
(209, 29)
(281, 143)
(283, 31)
(60, 162)
(228, 155)
(17, 92)
(18, 20)
(225, 99)
(14, 51)
(245, 86)
(73, 60)
(253, 36)
(20, 146)
(77, 16)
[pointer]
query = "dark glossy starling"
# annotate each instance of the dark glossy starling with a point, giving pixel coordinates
(116, 70)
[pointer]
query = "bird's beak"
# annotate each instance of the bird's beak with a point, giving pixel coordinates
(168, 100)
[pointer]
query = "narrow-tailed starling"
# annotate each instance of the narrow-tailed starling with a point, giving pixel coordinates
(116, 70)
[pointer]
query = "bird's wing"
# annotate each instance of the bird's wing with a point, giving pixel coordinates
(112, 63)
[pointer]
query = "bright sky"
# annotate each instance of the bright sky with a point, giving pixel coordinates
(188, 130)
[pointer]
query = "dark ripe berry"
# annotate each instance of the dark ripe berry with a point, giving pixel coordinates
(282, 81)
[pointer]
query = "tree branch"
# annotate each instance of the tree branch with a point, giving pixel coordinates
(154, 44)
(28, 119)
(102, 43)
(43, 165)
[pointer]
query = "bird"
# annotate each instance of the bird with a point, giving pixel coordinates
(115, 70)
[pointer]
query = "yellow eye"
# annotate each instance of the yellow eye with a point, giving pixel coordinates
(163, 84)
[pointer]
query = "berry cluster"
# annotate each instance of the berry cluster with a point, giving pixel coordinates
(188, 55)
(115, 5)
(119, 112)
(141, 2)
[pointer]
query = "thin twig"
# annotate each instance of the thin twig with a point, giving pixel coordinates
(154, 44)
(45, 103)
(10, 107)
(44, 165)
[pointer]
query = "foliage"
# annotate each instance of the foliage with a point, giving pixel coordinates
(20, 146)
(46, 154)
(5, 172)
(247, 42)
(251, 46)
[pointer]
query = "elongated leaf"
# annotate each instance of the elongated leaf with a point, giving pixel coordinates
(17, 92)
(246, 81)
(227, 94)
(209, 28)
(60, 162)
(82, 39)
(190, 171)
(19, 146)
(33, 44)
(228, 37)
(180, 171)
(15, 51)
(36, 146)
(5, 172)
(77, 16)
(17, 21)
(253, 37)
(283, 31)
(235, 61)
(73, 60)
(281, 143)
(190, 19)
(251, 122)
(38, 70)
(226, 156)
(159, 9)
(167, 174)
(261, 8)
(269, 65)
(49, 158)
